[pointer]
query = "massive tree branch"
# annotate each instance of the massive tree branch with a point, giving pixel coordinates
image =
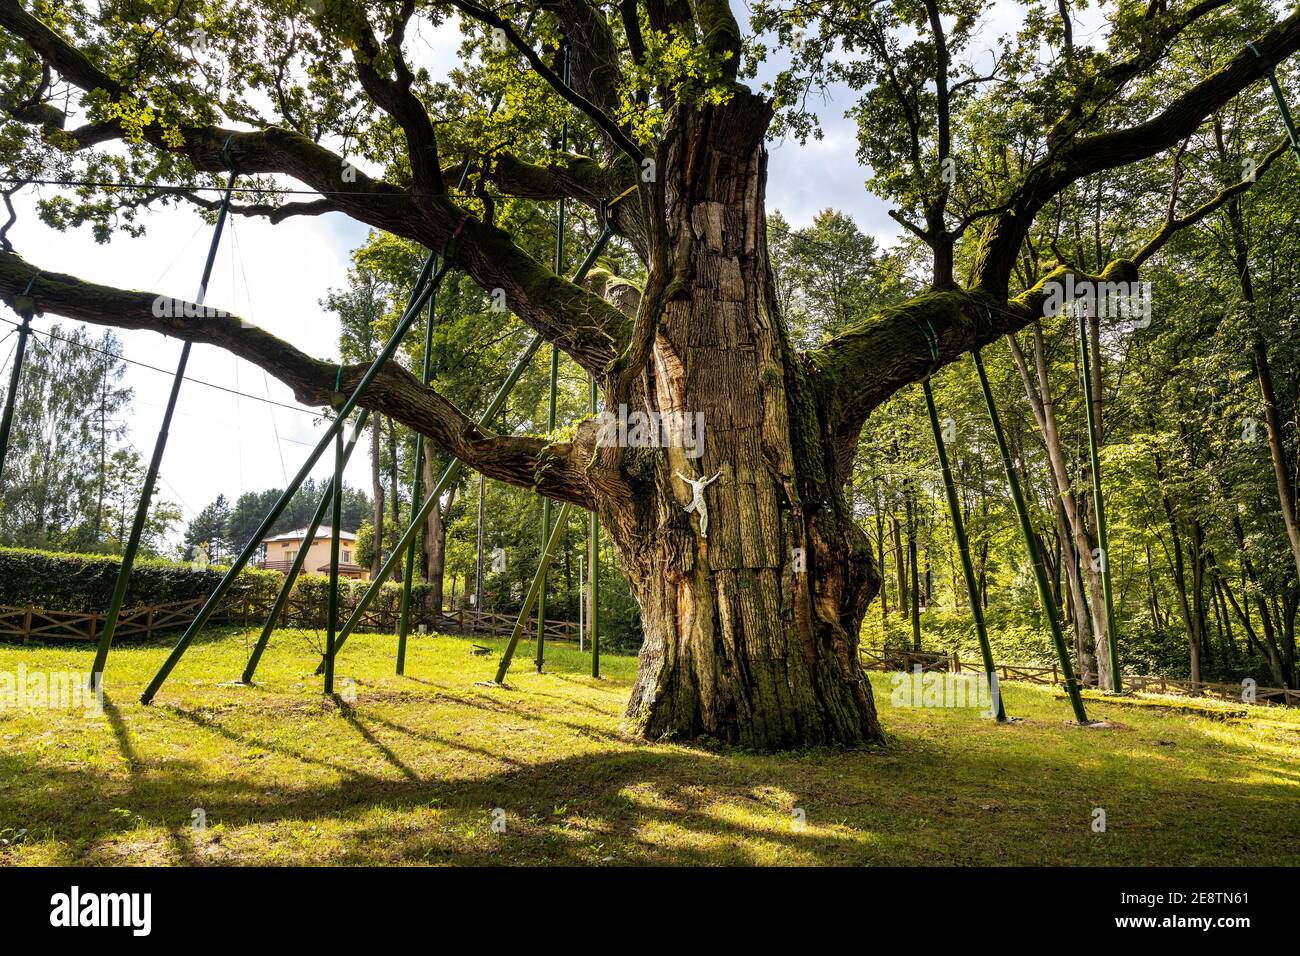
(53, 49)
(395, 96)
(554, 470)
(603, 121)
(859, 369)
(721, 34)
(1083, 157)
(1173, 224)
(572, 177)
(575, 177)
(590, 330)
(593, 55)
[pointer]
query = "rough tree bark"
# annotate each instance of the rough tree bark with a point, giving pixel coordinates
(751, 632)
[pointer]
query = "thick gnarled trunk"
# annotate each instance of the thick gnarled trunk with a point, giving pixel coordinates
(751, 631)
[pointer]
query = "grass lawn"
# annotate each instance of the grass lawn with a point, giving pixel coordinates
(413, 771)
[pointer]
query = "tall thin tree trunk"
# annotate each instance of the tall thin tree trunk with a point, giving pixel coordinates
(900, 564)
(915, 602)
(1043, 404)
(1196, 556)
(435, 541)
(1079, 618)
(1180, 576)
(101, 478)
(478, 548)
(880, 560)
(394, 494)
(1264, 374)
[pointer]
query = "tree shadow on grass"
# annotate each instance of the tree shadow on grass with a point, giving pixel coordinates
(672, 804)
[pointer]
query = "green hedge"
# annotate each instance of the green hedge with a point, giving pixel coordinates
(84, 583)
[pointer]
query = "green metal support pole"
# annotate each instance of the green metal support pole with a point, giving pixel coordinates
(546, 517)
(539, 580)
(963, 547)
(15, 373)
(301, 557)
(425, 282)
(1031, 544)
(452, 473)
(295, 568)
(155, 463)
(1103, 540)
(593, 562)
(417, 494)
(332, 603)
(555, 377)
(1287, 121)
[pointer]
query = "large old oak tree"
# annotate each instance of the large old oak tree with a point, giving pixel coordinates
(750, 632)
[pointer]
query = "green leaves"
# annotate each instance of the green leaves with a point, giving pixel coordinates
(676, 69)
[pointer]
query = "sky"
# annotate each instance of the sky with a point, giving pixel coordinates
(222, 443)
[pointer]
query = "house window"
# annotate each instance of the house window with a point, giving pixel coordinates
(290, 555)
(347, 557)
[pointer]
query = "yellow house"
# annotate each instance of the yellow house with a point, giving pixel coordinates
(281, 549)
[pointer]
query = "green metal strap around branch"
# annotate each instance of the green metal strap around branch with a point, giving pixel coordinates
(963, 547)
(453, 470)
(299, 559)
(1031, 544)
(160, 446)
(425, 283)
(534, 590)
(1099, 502)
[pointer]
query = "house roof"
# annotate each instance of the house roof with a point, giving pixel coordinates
(301, 534)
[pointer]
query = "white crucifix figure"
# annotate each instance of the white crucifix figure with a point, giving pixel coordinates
(697, 499)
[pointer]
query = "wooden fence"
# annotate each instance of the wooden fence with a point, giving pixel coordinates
(894, 659)
(34, 623)
(469, 621)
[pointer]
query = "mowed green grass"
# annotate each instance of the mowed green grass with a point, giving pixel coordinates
(413, 771)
